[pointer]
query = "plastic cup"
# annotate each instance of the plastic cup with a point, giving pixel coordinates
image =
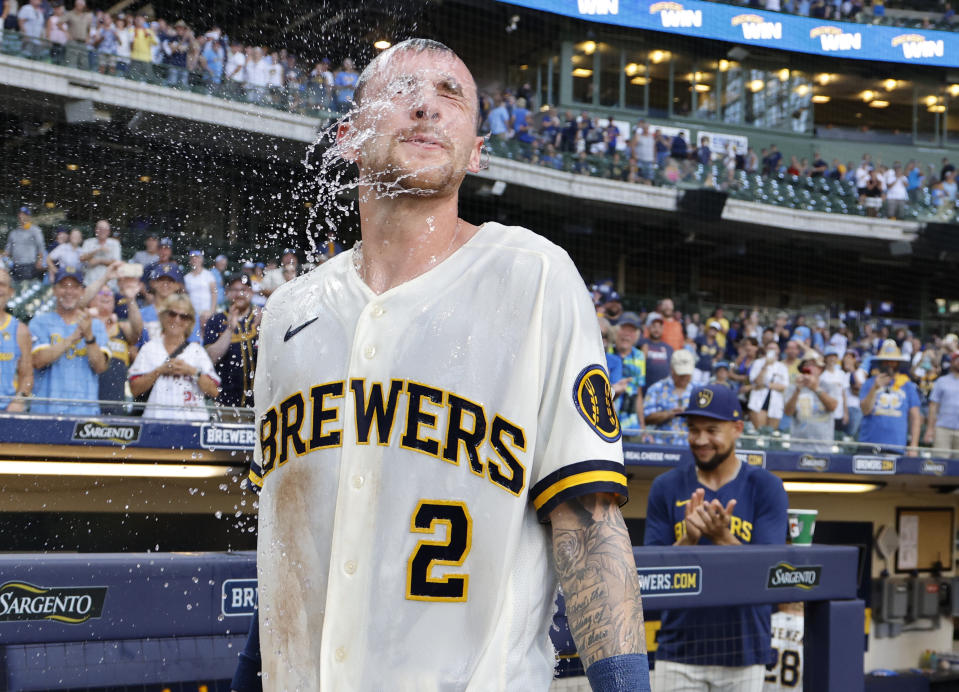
(802, 524)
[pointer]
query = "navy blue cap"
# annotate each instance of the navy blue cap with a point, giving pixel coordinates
(68, 272)
(714, 401)
(721, 364)
(196, 253)
(630, 318)
(168, 270)
(166, 242)
(288, 251)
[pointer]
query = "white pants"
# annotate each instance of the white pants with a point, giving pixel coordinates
(669, 676)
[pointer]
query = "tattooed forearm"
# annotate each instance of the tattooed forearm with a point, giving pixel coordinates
(596, 569)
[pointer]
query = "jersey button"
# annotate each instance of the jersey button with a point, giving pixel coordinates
(369, 352)
(349, 567)
(339, 654)
(358, 482)
(378, 311)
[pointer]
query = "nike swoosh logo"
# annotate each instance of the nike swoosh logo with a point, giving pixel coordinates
(680, 503)
(293, 331)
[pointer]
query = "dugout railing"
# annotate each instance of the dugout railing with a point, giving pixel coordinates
(98, 621)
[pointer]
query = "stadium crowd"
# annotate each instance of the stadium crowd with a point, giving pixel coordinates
(145, 336)
(583, 144)
(149, 49)
(170, 337)
(936, 14)
(818, 381)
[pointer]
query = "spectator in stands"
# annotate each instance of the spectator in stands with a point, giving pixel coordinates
(219, 275)
(833, 374)
(66, 254)
(56, 33)
(235, 74)
(79, 21)
(897, 191)
(175, 45)
(164, 256)
(141, 50)
(201, 287)
(104, 42)
(666, 399)
(65, 367)
(657, 351)
(499, 119)
(874, 193)
(32, 22)
(819, 166)
(679, 148)
(942, 425)
(344, 82)
(751, 164)
(772, 161)
(124, 33)
(672, 328)
(768, 378)
(99, 252)
(708, 353)
(704, 154)
(718, 500)
(721, 376)
(644, 150)
(274, 278)
(24, 247)
(148, 255)
(165, 280)
(176, 372)
(811, 402)
(122, 330)
(626, 337)
(890, 405)
(214, 58)
(231, 340)
(855, 376)
(522, 128)
(16, 368)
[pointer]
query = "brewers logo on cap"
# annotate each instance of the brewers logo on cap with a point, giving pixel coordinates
(593, 396)
(703, 398)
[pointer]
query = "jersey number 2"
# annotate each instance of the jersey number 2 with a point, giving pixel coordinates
(447, 551)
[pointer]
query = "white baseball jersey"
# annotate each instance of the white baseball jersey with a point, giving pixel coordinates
(787, 640)
(174, 397)
(410, 445)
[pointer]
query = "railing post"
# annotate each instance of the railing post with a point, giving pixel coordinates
(833, 646)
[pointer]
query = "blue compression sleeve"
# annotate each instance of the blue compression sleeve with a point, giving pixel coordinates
(247, 676)
(624, 673)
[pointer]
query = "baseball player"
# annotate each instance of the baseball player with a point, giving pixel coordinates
(788, 627)
(434, 411)
(722, 501)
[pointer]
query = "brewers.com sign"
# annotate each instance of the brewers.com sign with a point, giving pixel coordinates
(670, 581)
(69, 604)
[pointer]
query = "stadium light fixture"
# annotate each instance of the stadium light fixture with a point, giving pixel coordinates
(723, 65)
(890, 84)
(145, 178)
(702, 88)
(954, 90)
(25, 181)
(868, 95)
(824, 78)
(382, 44)
(828, 487)
(582, 72)
(633, 69)
(589, 47)
(657, 56)
(802, 89)
(878, 103)
(937, 109)
(96, 192)
(756, 85)
(82, 468)
(72, 167)
(820, 98)
(639, 81)
(931, 100)
(49, 205)
(784, 74)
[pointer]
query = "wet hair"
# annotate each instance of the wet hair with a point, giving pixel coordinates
(410, 45)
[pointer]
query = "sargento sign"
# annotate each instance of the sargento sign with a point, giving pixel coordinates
(115, 433)
(778, 30)
(670, 581)
(69, 604)
(785, 576)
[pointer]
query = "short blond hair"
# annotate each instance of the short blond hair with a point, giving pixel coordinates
(177, 301)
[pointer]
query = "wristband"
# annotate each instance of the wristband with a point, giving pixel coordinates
(91, 341)
(623, 673)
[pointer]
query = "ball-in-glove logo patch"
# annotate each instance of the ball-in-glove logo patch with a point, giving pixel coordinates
(703, 398)
(593, 396)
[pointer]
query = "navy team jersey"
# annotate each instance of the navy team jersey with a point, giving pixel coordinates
(724, 636)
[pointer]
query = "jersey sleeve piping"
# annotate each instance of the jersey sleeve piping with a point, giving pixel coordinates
(254, 482)
(576, 480)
